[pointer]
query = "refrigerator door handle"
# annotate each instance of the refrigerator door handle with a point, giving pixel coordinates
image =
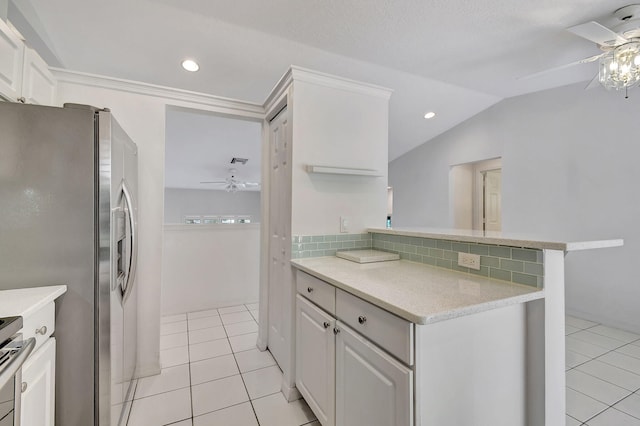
(133, 252)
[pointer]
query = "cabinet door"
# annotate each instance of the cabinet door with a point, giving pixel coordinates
(372, 388)
(38, 384)
(315, 359)
(38, 83)
(11, 57)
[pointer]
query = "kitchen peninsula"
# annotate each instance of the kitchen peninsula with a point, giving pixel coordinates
(423, 341)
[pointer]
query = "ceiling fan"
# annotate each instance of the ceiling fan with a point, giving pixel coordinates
(232, 183)
(619, 62)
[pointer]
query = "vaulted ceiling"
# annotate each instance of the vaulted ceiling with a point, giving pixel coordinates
(455, 57)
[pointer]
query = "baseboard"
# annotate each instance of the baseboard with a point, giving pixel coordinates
(151, 369)
(291, 393)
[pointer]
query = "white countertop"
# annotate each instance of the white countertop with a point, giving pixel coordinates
(419, 293)
(498, 238)
(25, 301)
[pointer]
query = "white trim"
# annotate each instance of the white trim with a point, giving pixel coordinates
(336, 82)
(278, 92)
(296, 73)
(231, 106)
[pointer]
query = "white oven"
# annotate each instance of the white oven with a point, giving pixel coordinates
(13, 353)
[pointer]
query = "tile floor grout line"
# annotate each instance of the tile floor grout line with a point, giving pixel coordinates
(609, 406)
(245, 386)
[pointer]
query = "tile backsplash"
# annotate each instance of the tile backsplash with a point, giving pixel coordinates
(327, 245)
(518, 265)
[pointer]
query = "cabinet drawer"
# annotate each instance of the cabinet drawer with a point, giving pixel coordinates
(319, 292)
(388, 331)
(40, 324)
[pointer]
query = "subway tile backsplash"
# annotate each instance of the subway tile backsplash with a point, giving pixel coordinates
(518, 265)
(514, 264)
(327, 245)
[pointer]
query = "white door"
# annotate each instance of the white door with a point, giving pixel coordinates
(316, 359)
(38, 386)
(280, 297)
(372, 388)
(493, 200)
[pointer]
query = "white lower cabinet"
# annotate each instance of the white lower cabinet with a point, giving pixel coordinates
(315, 359)
(345, 378)
(38, 386)
(372, 388)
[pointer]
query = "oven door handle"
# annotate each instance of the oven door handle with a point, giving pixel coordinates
(15, 363)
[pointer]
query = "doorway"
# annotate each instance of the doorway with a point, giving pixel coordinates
(212, 210)
(476, 195)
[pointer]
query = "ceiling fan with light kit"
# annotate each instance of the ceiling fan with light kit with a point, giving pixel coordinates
(619, 62)
(232, 183)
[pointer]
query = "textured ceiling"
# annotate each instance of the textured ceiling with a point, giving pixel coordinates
(456, 57)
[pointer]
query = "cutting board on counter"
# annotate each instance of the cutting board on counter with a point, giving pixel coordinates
(367, 256)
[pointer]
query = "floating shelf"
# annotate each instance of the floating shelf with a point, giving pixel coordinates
(343, 171)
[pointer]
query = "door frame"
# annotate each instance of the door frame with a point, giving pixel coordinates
(479, 169)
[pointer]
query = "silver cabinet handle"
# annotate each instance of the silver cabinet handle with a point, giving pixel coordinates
(336, 331)
(362, 319)
(326, 324)
(42, 330)
(23, 387)
(309, 289)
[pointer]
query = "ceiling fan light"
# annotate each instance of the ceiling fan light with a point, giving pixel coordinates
(620, 68)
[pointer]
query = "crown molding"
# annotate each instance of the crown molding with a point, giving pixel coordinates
(336, 82)
(247, 109)
(296, 73)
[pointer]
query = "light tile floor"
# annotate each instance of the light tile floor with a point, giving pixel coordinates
(213, 375)
(603, 375)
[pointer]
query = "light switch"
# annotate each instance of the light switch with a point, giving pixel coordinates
(344, 224)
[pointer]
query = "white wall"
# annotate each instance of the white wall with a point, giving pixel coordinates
(569, 169)
(461, 198)
(141, 111)
(209, 266)
(182, 202)
(340, 128)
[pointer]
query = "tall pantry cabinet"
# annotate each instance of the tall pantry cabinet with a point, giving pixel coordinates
(320, 131)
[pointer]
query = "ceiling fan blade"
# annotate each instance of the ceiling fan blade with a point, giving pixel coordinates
(252, 184)
(561, 67)
(593, 83)
(598, 33)
(215, 181)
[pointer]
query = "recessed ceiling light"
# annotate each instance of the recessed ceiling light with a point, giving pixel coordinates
(429, 115)
(190, 65)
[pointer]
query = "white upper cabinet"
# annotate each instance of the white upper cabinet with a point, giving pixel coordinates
(11, 60)
(24, 75)
(38, 83)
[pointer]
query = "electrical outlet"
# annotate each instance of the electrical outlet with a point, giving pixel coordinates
(468, 260)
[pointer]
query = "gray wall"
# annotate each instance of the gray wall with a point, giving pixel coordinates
(182, 202)
(570, 170)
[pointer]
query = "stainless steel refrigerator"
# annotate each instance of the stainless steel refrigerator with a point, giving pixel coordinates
(68, 215)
